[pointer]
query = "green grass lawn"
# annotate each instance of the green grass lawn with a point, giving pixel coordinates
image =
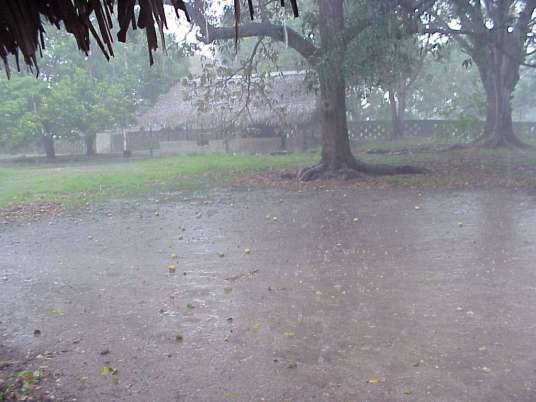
(76, 184)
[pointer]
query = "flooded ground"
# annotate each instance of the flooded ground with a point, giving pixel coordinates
(339, 295)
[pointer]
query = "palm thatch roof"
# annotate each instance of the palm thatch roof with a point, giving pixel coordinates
(276, 99)
(22, 30)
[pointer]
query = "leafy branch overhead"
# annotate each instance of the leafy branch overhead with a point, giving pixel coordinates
(22, 30)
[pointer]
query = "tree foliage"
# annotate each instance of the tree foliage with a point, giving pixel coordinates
(77, 96)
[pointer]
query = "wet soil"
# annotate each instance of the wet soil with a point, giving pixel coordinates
(278, 295)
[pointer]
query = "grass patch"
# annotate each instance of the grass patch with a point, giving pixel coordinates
(74, 185)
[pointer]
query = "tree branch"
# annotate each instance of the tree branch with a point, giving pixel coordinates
(210, 33)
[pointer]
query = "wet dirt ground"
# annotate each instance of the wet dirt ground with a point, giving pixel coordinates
(346, 295)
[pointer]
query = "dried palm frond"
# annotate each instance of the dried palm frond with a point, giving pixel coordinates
(22, 30)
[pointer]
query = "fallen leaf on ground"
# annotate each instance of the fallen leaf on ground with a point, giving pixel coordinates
(106, 370)
(407, 390)
(240, 276)
(292, 365)
(56, 311)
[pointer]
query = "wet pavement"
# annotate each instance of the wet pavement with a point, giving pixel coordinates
(340, 295)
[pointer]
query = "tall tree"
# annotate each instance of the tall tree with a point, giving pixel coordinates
(408, 61)
(336, 24)
(497, 35)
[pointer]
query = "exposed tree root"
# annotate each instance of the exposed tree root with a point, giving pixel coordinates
(491, 142)
(406, 151)
(325, 172)
(354, 170)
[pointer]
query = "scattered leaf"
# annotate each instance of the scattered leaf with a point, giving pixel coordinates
(227, 290)
(483, 349)
(374, 380)
(172, 268)
(106, 370)
(174, 256)
(247, 251)
(290, 334)
(190, 306)
(221, 254)
(292, 365)
(407, 390)
(56, 312)
(179, 337)
(486, 369)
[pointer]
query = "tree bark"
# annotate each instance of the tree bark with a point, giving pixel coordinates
(498, 128)
(48, 145)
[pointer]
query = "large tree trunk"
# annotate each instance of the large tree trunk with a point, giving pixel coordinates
(48, 145)
(499, 74)
(498, 129)
(337, 160)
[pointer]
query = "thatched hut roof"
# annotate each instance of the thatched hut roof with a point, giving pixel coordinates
(22, 30)
(275, 99)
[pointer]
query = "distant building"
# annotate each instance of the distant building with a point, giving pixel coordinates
(273, 102)
(266, 113)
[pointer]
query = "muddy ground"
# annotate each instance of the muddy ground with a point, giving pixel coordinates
(343, 295)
